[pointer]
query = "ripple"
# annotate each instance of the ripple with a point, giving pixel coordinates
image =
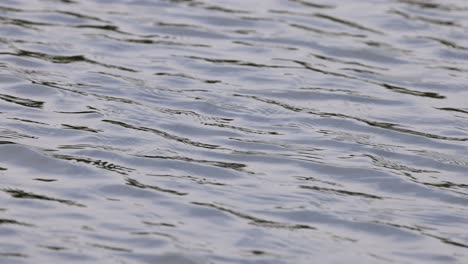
(20, 194)
(195, 131)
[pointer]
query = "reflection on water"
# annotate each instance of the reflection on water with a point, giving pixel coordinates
(136, 131)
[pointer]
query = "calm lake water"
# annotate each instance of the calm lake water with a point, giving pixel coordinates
(272, 131)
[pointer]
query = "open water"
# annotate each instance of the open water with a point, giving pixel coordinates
(197, 131)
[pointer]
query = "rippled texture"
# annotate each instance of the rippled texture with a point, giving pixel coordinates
(273, 131)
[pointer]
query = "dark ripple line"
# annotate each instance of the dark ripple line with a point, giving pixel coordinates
(31, 25)
(78, 112)
(447, 185)
(124, 100)
(425, 19)
(450, 68)
(187, 77)
(10, 9)
(225, 10)
(319, 31)
(2, 142)
(22, 23)
(78, 15)
(6, 133)
(311, 4)
(92, 146)
(342, 192)
(22, 101)
(54, 248)
(221, 164)
(28, 121)
(393, 88)
(135, 183)
(421, 231)
(239, 63)
(360, 71)
(326, 58)
(69, 13)
(97, 163)
(453, 110)
(411, 92)
(448, 241)
(447, 43)
(17, 193)
(431, 5)
(242, 129)
(384, 125)
(190, 178)
(347, 23)
(210, 7)
(156, 42)
(395, 127)
(381, 162)
(81, 128)
(4, 221)
(256, 220)
(45, 180)
(64, 59)
(112, 248)
(162, 134)
(103, 27)
(83, 93)
(12, 254)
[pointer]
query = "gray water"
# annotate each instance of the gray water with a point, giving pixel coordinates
(272, 131)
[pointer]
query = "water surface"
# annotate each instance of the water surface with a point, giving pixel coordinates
(275, 131)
